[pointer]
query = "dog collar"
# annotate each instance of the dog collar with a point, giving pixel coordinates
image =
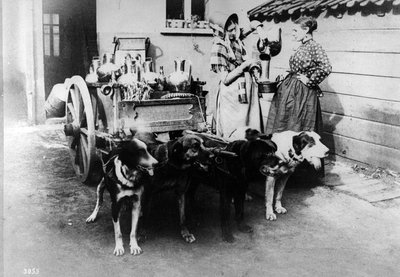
(294, 157)
(145, 169)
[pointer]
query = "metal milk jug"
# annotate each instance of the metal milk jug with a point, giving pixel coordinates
(180, 79)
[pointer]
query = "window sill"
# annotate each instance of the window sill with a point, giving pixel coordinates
(187, 31)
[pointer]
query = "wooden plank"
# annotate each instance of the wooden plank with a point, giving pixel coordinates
(360, 129)
(374, 87)
(384, 195)
(358, 85)
(363, 151)
(366, 189)
(385, 41)
(377, 64)
(372, 109)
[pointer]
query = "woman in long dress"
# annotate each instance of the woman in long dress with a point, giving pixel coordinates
(296, 105)
(237, 97)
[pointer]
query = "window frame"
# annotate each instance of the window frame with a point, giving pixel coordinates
(51, 31)
(183, 26)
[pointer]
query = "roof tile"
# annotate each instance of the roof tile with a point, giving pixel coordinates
(275, 8)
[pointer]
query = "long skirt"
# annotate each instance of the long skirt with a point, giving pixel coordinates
(233, 115)
(294, 107)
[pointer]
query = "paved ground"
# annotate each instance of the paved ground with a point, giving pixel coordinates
(329, 231)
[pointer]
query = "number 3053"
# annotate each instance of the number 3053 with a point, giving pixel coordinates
(31, 271)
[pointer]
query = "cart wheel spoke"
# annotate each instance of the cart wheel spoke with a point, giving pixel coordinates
(74, 143)
(74, 99)
(72, 111)
(83, 121)
(84, 151)
(77, 100)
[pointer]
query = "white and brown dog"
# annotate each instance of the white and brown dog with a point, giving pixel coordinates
(292, 149)
(126, 173)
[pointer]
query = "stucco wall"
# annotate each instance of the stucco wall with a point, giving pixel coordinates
(23, 60)
(14, 55)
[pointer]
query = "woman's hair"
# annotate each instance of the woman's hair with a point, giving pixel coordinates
(231, 20)
(307, 22)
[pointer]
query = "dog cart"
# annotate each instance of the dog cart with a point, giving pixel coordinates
(99, 118)
(123, 93)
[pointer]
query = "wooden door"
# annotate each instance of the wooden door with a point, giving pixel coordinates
(69, 29)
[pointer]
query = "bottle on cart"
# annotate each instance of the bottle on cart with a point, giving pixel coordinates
(162, 80)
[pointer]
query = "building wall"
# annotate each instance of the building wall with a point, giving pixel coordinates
(147, 18)
(361, 103)
(361, 106)
(15, 59)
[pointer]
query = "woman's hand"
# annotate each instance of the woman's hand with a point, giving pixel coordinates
(302, 78)
(254, 24)
(247, 63)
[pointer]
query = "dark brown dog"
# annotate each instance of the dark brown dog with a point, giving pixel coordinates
(230, 174)
(176, 161)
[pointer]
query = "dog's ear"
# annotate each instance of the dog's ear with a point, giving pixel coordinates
(300, 141)
(177, 149)
(272, 145)
(133, 130)
(252, 134)
(265, 136)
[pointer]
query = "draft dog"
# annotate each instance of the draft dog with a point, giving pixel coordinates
(230, 174)
(126, 173)
(293, 148)
(176, 158)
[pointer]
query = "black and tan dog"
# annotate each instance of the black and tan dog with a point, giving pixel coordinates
(293, 148)
(177, 158)
(126, 173)
(230, 174)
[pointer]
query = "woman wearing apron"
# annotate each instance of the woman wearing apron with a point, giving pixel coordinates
(237, 97)
(296, 106)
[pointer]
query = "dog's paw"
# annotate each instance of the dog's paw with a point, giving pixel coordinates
(270, 216)
(244, 228)
(280, 210)
(119, 250)
(136, 250)
(91, 218)
(188, 237)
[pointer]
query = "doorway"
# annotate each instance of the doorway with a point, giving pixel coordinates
(69, 39)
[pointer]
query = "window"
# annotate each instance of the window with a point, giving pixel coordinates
(175, 9)
(186, 16)
(194, 8)
(51, 34)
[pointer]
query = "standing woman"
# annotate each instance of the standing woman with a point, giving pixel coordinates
(237, 99)
(296, 106)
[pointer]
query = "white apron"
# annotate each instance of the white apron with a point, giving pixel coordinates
(231, 114)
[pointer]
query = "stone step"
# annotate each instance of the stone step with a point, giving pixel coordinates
(365, 188)
(382, 195)
(338, 179)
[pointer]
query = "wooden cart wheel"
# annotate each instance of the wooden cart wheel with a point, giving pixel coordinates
(80, 130)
